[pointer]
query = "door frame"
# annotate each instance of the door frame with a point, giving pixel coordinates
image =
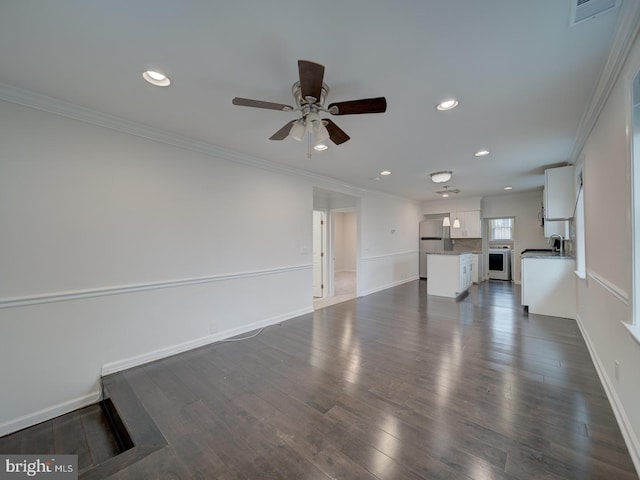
(325, 252)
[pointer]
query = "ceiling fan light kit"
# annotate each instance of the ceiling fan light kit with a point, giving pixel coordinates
(298, 129)
(310, 93)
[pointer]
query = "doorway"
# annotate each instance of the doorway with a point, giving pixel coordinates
(335, 248)
(344, 253)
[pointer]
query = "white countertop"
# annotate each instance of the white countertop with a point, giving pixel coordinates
(551, 255)
(447, 252)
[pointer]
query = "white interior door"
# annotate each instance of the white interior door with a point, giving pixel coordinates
(318, 253)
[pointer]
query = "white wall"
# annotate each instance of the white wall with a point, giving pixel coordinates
(604, 298)
(524, 208)
(452, 204)
(117, 250)
(345, 241)
(389, 242)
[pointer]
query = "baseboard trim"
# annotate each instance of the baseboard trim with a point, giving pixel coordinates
(630, 438)
(137, 360)
(391, 285)
(49, 413)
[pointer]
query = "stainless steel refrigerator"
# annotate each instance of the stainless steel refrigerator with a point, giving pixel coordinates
(432, 239)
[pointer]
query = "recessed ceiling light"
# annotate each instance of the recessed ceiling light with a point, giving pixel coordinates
(376, 179)
(508, 188)
(384, 173)
(447, 104)
(156, 78)
(320, 147)
(481, 153)
(445, 195)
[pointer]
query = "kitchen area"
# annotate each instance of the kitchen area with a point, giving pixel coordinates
(451, 252)
(549, 275)
(524, 238)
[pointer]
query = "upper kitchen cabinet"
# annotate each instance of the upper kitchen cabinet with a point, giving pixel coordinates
(470, 225)
(558, 193)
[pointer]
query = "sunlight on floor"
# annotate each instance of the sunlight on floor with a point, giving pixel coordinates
(344, 289)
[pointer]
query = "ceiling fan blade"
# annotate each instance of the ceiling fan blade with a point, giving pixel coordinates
(247, 102)
(336, 134)
(366, 105)
(311, 76)
(283, 132)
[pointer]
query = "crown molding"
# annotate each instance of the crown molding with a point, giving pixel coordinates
(38, 101)
(626, 33)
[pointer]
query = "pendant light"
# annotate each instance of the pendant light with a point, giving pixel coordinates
(456, 221)
(446, 222)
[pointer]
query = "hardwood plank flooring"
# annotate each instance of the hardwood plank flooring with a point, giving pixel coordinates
(394, 385)
(84, 432)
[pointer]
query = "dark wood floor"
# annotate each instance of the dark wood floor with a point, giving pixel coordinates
(396, 385)
(84, 432)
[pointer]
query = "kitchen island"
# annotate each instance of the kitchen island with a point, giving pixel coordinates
(450, 273)
(548, 284)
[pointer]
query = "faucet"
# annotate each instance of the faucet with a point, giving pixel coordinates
(556, 235)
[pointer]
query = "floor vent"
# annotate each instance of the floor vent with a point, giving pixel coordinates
(588, 9)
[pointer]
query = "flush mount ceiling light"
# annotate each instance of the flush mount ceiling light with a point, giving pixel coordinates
(441, 177)
(156, 78)
(447, 104)
(384, 173)
(481, 153)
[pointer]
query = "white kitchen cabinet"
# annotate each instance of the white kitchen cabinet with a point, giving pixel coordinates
(558, 193)
(553, 227)
(478, 268)
(466, 272)
(549, 285)
(449, 274)
(556, 227)
(470, 225)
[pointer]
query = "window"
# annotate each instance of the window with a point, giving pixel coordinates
(501, 229)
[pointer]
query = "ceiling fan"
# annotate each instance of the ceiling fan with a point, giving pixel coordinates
(310, 93)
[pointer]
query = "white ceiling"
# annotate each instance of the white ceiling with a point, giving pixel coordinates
(524, 78)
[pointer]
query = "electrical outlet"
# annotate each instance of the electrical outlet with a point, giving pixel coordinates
(617, 370)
